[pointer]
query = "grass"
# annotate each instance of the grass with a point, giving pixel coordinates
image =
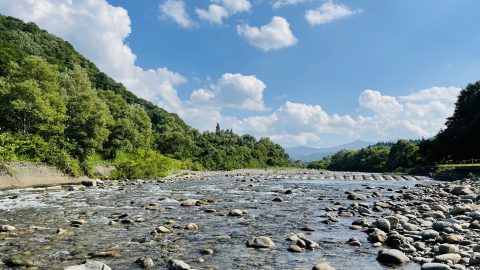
(459, 165)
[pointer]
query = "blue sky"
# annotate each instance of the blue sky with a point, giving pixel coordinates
(311, 72)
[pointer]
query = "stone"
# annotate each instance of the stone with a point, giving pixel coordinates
(377, 236)
(277, 199)
(18, 261)
(207, 251)
(162, 229)
(78, 222)
(475, 259)
(323, 266)
(453, 238)
(356, 196)
(235, 213)
(89, 183)
(391, 257)
(435, 266)
(192, 227)
(107, 254)
(188, 203)
(461, 190)
(429, 234)
(7, 228)
(295, 249)
(453, 257)
(178, 265)
(260, 242)
(383, 224)
(447, 248)
(146, 262)
(90, 265)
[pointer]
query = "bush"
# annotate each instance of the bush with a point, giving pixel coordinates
(89, 163)
(62, 160)
(143, 164)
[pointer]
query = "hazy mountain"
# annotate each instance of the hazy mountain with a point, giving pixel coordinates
(308, 154)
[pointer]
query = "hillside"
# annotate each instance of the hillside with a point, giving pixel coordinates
(57, 107)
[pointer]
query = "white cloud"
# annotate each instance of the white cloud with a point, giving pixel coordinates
(272, 36)
(213, 14)
(222, 9)
(328, 12)
(232, 91)
(98, 30)
(175, 10)
(283, 3)
(434, 93)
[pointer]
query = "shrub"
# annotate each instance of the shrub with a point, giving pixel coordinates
(143, 164)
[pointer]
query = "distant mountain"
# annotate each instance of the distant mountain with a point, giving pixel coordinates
(308, 154)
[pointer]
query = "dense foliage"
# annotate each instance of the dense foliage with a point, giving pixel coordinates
(57, 107)
(460, 140)
(402, 156)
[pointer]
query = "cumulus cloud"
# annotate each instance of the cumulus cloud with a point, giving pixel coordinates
(175, 10)
(232, 91)
(283, 3)
(420, 114)
(222, 9)
(328, 12)
(272, 36)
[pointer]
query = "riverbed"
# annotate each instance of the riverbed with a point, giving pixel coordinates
(120, 217)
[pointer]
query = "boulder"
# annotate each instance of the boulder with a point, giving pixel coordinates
(392, 257)
(260, 242)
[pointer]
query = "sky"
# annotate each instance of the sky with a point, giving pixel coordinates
(303, 72)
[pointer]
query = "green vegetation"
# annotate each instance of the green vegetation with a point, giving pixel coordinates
(402, 156)
(57, 107)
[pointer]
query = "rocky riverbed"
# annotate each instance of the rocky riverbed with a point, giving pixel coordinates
(242, 220)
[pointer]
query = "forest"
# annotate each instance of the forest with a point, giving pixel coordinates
(57, 107)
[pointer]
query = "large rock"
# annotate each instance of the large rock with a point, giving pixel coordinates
(392, 257)
(89, 183)
(383, 224)
(90, 265)
(461, 190)
(448, 248)
(260, 242)
(377, 236)
(435, 266)
(453, 257)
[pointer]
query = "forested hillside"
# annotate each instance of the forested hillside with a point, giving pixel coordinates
(57, 107)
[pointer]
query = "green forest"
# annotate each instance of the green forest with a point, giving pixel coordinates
(457, 143)
(57, 107)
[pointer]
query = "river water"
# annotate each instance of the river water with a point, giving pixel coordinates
(37, 216)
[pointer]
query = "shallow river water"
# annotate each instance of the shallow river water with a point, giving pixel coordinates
(37, 216)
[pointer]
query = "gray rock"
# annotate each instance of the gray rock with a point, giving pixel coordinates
(90, 265)
(178, 265)
(453, 257)
(435, 266)
(429, 234)
(461, 190)
(383, 224)
(392, 257)
(377, 236)
(260, 242)
(448, 248)
(89, 183)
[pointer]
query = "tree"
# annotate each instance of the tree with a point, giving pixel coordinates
(30, 99)
(88, 116)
